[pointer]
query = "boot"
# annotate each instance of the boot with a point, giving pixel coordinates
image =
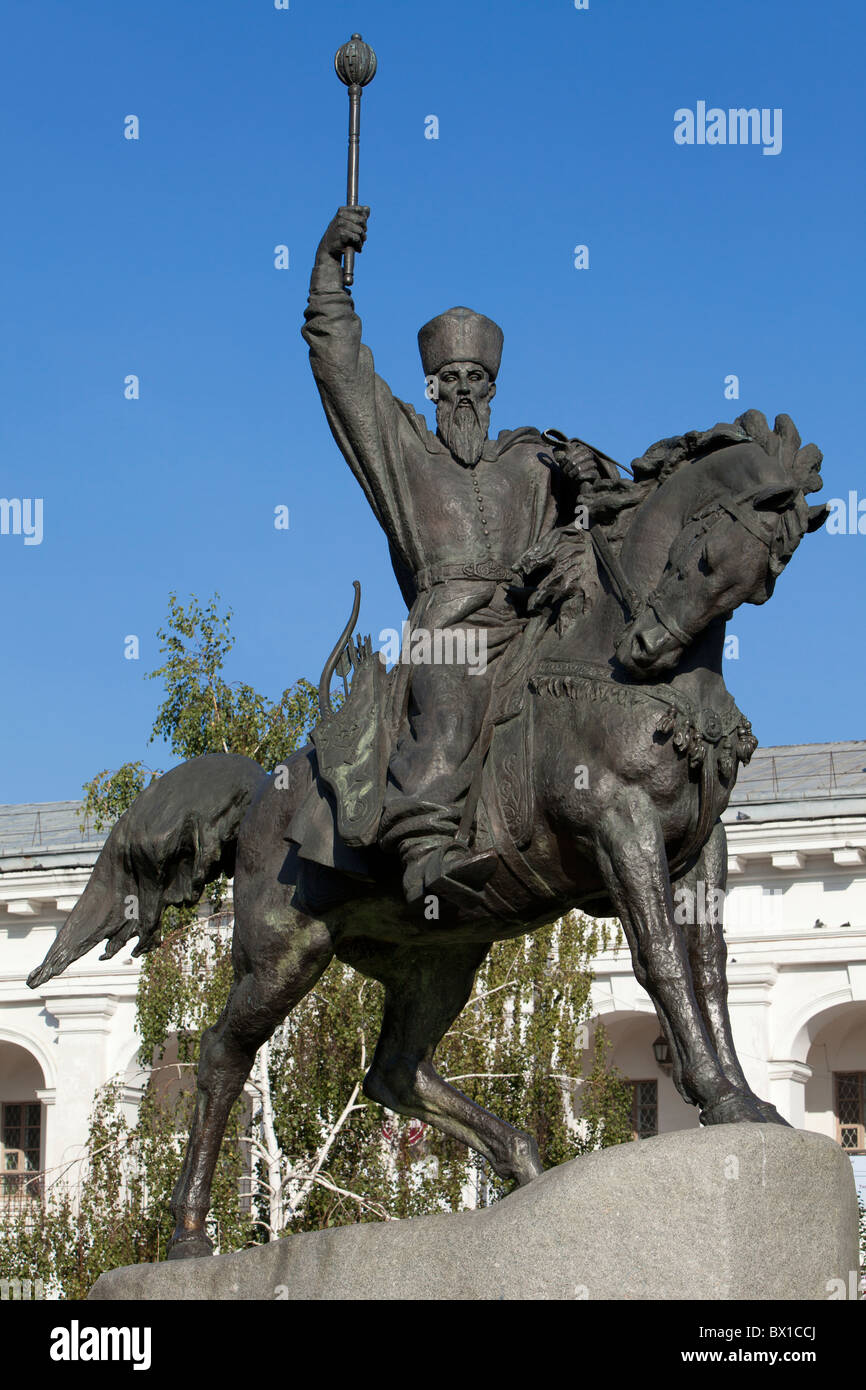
(453, 873)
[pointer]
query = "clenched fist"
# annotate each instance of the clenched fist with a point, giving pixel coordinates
(347, 230)
(577, 460)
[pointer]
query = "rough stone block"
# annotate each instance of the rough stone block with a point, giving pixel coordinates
(733, 1211)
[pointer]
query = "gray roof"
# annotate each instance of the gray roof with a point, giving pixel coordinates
(829, 777)
(35, 825)
(804, 770)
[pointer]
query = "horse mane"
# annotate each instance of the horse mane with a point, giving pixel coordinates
(667, 456)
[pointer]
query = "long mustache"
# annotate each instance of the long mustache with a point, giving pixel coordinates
(447, 412)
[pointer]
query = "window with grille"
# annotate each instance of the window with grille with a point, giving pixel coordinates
(851, 1110)
(21, 1148)
(645, 1109)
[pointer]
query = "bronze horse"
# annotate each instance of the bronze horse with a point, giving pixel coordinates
(633, 693)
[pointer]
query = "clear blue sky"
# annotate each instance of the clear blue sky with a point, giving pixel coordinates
(155, 257)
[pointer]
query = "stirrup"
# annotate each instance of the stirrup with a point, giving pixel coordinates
(460, 881)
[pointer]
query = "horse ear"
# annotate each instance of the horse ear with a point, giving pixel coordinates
(774, 499)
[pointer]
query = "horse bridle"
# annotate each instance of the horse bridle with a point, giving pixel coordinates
(633, 601)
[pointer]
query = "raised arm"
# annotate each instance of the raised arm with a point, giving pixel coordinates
(332, 329)
(363, 414)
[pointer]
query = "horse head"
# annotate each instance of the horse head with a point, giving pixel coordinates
(733, 540)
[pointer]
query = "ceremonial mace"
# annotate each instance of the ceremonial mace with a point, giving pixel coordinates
(355, 63)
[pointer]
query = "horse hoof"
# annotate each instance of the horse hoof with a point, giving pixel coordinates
(770, 1114)
(733, 1109)
(526, 1161)
(192, 1245)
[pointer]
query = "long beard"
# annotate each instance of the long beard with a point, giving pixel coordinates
(463, 428)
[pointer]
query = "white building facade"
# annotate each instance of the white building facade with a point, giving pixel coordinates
(795, 926)
(60, 1044)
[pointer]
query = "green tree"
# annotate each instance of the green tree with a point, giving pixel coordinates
(304, 1149)
(201, 711)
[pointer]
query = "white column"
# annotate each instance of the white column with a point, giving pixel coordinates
(84, 1022)
(47, 1098)
(749, 995)
(788, 1089)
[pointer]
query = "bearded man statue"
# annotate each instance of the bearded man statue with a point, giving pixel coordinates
(459, 510)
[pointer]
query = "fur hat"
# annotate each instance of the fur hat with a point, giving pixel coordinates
(460, 335)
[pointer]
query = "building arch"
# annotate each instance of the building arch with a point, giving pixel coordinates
(36, 1050)
(804, 1025)
(23, 1096)
(608, 1005)
(837, 1050)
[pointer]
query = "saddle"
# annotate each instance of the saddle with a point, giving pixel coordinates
(336, 826)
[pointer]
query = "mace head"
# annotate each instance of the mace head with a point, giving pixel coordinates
(355, 62)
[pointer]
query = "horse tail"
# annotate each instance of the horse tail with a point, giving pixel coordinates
(179, 835)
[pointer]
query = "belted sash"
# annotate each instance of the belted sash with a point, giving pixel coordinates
(489, 571)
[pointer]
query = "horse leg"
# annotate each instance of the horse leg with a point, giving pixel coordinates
(277, 959)
(426, 988)
(708, 953)
(632, 858)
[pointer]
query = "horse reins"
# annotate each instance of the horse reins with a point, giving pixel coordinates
(633, 601)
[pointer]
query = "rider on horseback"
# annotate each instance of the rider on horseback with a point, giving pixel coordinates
(464, 515)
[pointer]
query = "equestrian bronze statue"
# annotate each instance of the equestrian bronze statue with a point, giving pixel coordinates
(554, 734)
